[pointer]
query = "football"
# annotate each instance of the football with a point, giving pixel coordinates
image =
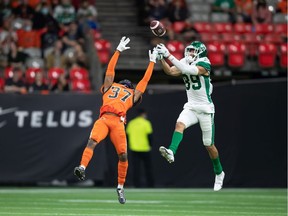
(157, 28)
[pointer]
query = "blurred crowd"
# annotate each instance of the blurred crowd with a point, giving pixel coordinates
(234, 31)
(43, 41)
(170, 12)
(43, 45)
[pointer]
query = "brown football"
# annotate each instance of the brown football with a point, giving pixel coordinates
(157, 28)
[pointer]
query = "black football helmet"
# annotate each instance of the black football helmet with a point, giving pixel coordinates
(127, 83)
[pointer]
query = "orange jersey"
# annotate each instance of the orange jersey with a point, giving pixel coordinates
(117, 99)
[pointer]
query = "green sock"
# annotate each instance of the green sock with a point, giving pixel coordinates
(176, 139)
(217, 165)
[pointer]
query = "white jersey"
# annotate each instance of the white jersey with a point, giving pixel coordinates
(199, 88)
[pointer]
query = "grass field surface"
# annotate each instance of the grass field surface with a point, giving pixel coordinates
(146, 202)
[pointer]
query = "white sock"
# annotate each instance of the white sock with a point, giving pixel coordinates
(120, 186)
(83, 167)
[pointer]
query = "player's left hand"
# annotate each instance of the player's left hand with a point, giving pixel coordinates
(161, 48)
(122, 45)
(153, 55)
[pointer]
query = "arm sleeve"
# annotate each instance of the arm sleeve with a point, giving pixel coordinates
(187, 69)
(112, 63)
(141, 86)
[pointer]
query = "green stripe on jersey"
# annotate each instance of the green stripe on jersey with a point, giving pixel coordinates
(207, 87)
(213, 129)
(205, 65)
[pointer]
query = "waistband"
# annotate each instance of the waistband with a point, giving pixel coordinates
(110, 113)
(122, 118)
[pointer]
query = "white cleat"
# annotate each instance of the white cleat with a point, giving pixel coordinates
(167, 153)
(219, 181)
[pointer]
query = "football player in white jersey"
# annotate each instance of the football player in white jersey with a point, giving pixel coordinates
(195, 70)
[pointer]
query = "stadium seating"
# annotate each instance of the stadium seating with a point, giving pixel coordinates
(33, 52)
(81, 85)
(230, 37)
(242, 28)
(203, 27)
(30, 74)
(96, 34)
(216, 53)
(103, 48)
(54, 73)
(267, 55)
(210, 37)
(251, 40)
(176, 48)
(283, 55)
(219, 17)
(280, 18)
(199, 17)
(35, 62)
(281, 29)
(264, 28)
(222, 27)
(78, 73)
(273, 38)
(201, 6)
(8, 72)
(236, 53)
(178, 26)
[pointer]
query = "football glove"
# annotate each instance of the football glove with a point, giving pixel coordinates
(153, 55)
(159, 57)
(162, 50)
(122, 45)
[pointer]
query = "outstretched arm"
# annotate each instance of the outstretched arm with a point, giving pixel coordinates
(172, 71)
(141, 86)
(110, 72)
(179, 66)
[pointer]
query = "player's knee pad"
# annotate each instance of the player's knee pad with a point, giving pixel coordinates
(207, 138)
(207, 142)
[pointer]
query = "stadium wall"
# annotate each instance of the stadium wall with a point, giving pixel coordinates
(42, 138)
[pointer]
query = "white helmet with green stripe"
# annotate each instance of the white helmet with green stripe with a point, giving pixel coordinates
(195, 51)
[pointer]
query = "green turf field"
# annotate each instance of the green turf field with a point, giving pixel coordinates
(150, 202)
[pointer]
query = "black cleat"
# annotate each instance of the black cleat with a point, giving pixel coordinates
(80, 173)
(121, 197)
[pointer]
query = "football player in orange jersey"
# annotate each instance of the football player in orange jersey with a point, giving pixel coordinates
(118, 98)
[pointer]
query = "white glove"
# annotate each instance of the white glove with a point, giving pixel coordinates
(159, 57)
(122, 45)
(162, 50)
(153, 55)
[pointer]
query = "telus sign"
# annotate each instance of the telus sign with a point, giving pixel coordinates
(48, 119)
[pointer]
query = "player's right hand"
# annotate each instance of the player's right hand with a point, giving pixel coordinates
(159, 57)
(122, 45)
(162, 50)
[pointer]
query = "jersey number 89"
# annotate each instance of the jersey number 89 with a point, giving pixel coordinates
(193, 81)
